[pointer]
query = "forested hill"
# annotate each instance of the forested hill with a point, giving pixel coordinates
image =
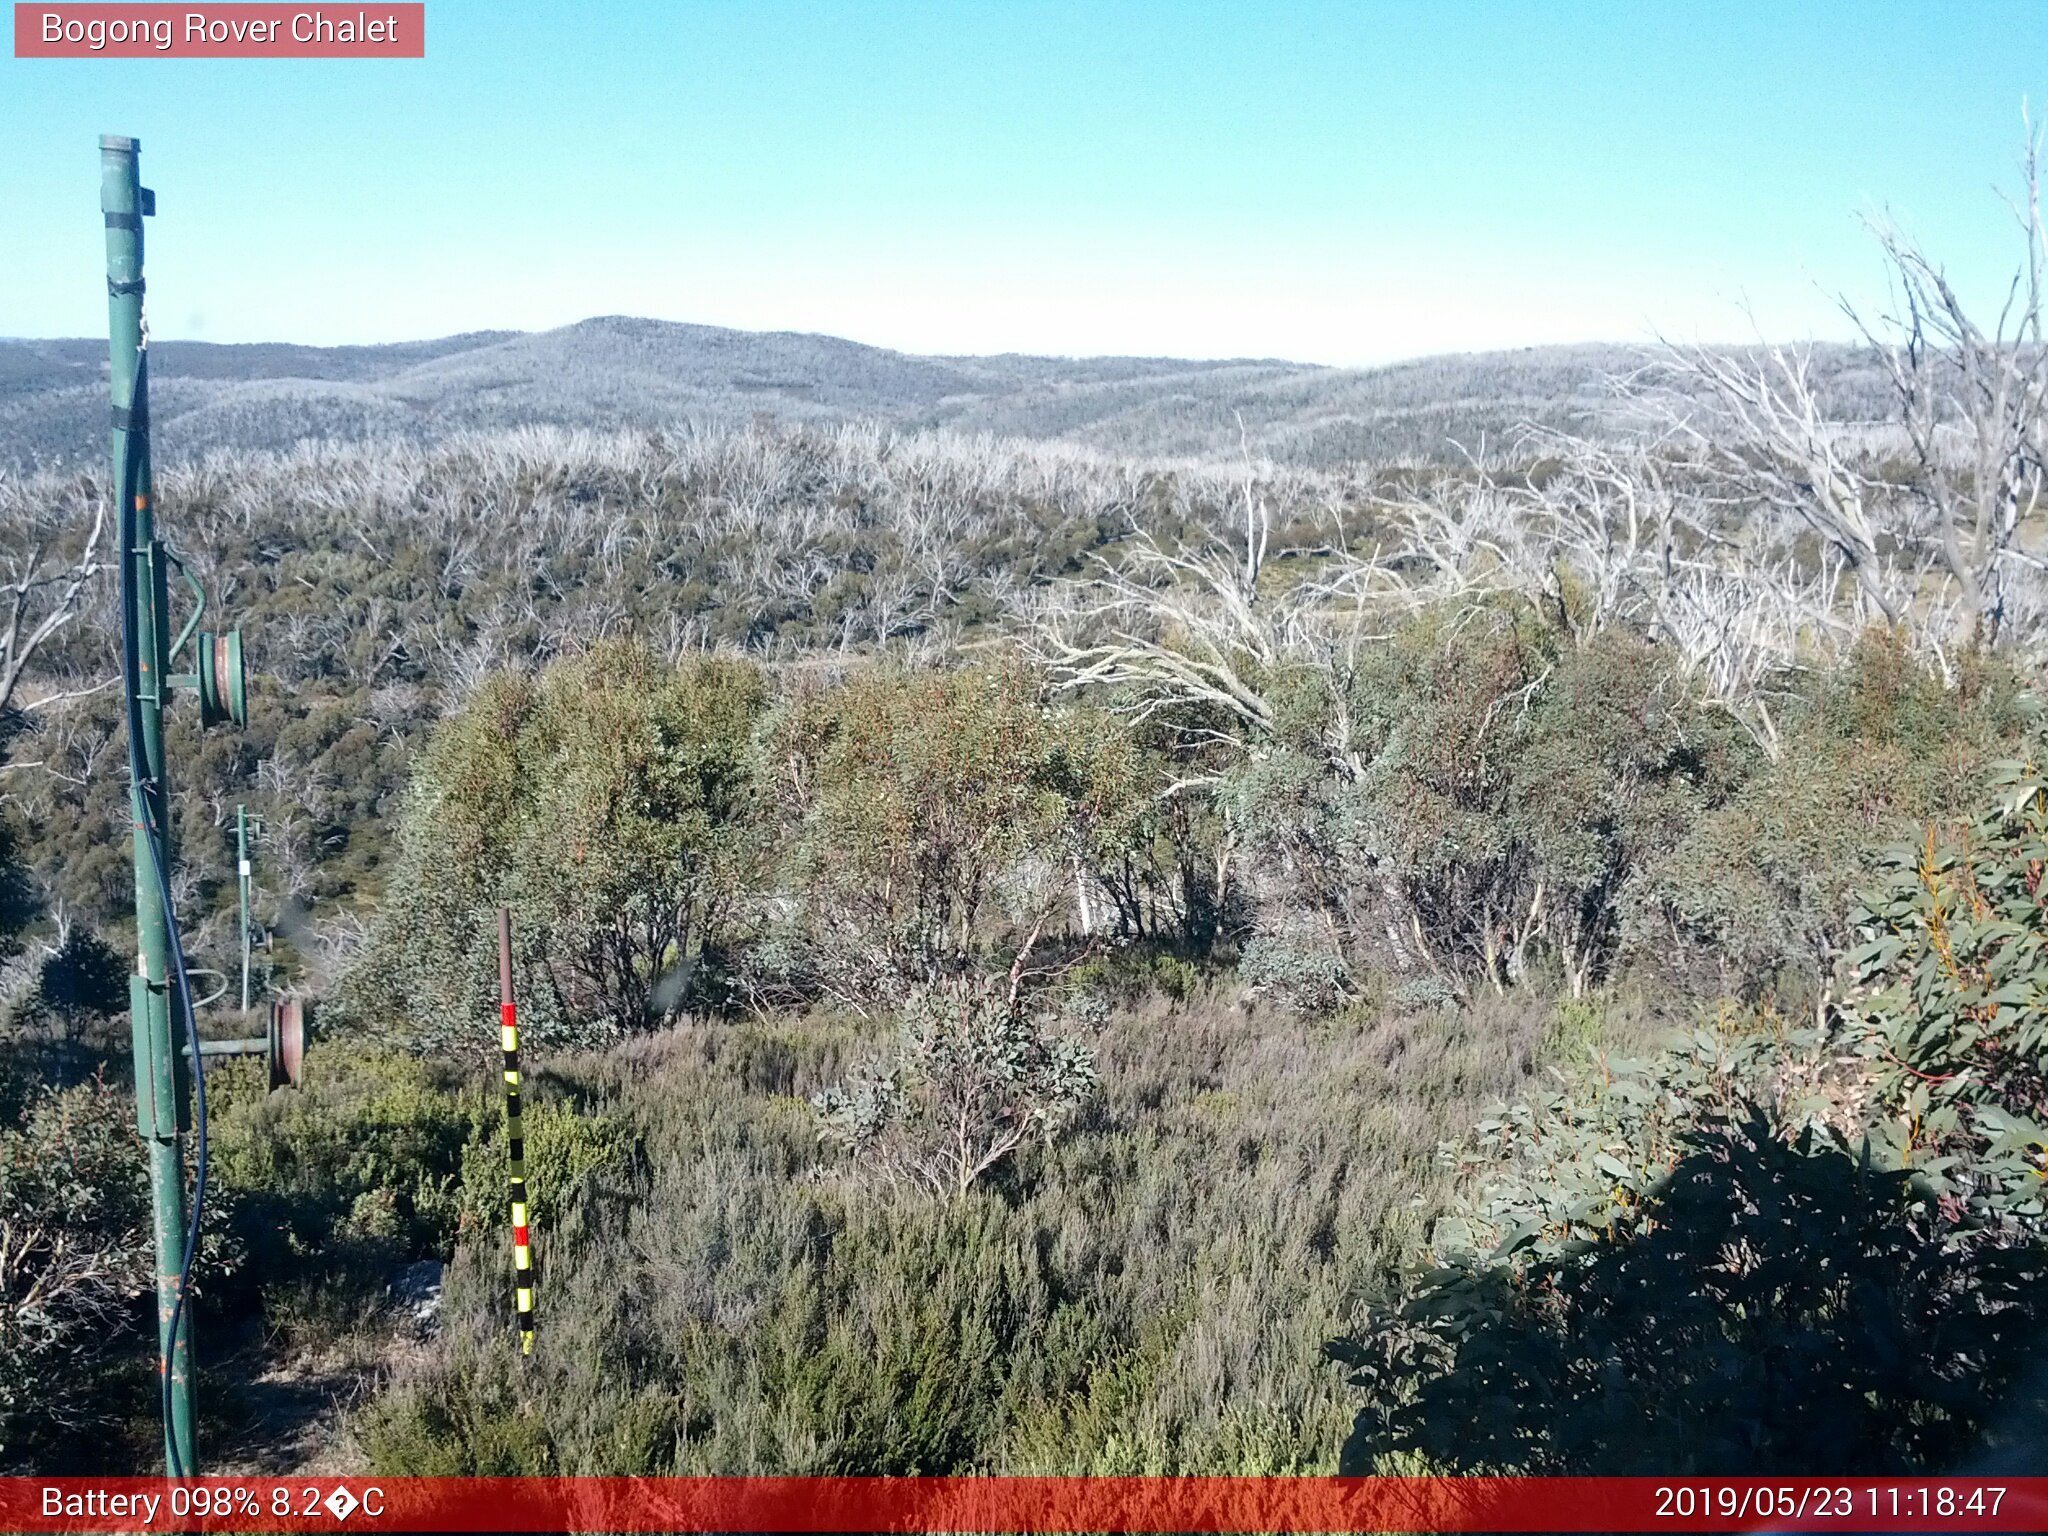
(618, 371)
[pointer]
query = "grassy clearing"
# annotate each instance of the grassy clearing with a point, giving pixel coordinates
(1151, 1295)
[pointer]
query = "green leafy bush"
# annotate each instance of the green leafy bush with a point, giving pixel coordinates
(1754, 895)
(1765, 1305)
(368, 1155)
(83, 978)
(973, 1075)
(1148, 1294)
(938, 819)
(1295, 959)
(1129, 972)
(1491, 799)
(1767, 1248)
(1694, 1262)
(1480, 807)
(610, 803)
(78, 1264)
(1951, 1004)
(564, 1145)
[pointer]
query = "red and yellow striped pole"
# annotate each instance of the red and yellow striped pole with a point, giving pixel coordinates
(522, 1232)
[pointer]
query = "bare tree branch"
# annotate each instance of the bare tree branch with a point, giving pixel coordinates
(38, 600)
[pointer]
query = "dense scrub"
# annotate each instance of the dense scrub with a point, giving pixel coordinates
(1778, 1246)
(1677, 1272)
(751, 1271)
(1513, 809)
(800, 920)
(1005, 932)
(316, 1200)
(380, 585)
(1150, 1293)
(75, 1258)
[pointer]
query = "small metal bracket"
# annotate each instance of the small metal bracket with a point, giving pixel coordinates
(217, 993)
(198, 601)
(145, 1075)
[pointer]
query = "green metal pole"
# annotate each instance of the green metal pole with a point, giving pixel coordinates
(160, 1074)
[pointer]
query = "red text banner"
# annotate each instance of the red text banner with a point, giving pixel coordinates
(240, 31)
(1150, 1504)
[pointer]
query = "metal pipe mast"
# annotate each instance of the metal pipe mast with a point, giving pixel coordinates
(161, 1075)
(159, 997)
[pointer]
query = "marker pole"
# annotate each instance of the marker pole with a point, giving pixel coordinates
(522, 1234)
(242, 886)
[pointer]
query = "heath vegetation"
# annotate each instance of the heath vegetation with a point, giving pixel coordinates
(1044, 958)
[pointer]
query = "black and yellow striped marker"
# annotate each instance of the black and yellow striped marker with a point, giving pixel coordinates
(522, 1231)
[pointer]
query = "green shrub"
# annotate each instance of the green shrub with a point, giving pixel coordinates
(564, 1146)
(1129, 972)
(1951, 1004)
(937, 819)
(474, 1424)
(1148, 1294)
(1295, 959)
(1753, 896)
(973, 1075)
(1762, 1303)
(1814, 1248)
(1425, 992)
(83, 978)
(369, 1152)
(78, 1264)
(610, 802)
(1685, 1265)
(1479, 805)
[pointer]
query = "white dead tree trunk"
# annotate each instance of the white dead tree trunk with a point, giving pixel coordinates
(1186, 628)
(1623, 535)
(1778, 446)
(1954, 556)
(1974, 403)
(39, 595)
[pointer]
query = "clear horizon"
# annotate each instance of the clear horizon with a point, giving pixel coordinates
(1323, 183)
(1592, 343)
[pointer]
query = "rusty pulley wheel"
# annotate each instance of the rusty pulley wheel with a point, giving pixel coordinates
(287, 1042)
(223, 683)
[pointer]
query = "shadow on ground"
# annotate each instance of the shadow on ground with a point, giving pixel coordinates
(1789, 1313)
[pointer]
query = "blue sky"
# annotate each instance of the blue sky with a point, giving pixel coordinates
(1344, 183)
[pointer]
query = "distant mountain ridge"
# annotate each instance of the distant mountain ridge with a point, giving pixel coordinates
(617, 371)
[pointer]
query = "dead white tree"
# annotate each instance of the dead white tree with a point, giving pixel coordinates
(1741, 619)
(40, 594)
(1974, 404)
(1185, 627)
(1954, 555)
(1627, 535)
(1776, 446)
(1193, 627)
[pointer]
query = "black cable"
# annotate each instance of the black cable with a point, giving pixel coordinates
(143, 785)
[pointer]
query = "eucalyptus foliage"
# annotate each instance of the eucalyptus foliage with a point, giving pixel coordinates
(610, 802)
(1691, 1265)
(1778, 1246)
(973, 1075)
(938, 822)
(1952, 1006)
